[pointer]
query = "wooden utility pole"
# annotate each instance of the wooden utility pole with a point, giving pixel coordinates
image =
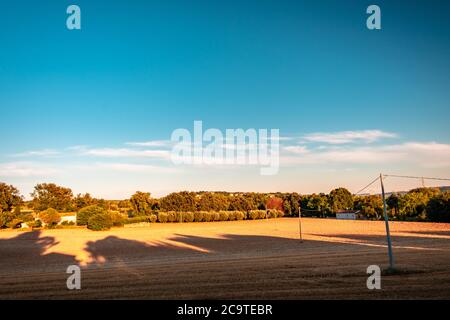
(386, 220)
(300, 223)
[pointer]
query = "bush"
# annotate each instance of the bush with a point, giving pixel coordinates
(199, 216)
(36, 224)
(239, 215)
(50, 217)
(188, 216)
(86, 213)
(273, 213)
(26, 217)
(100, 221)
(163, 217)
(216, 216)
(67, 223)
(209, 216)
(178, 216)
(171, 216)
(224, 216)
(150, 219)
(256, 214)
(5, 218)
(118, 219)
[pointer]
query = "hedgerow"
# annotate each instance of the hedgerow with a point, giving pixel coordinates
(205, 216)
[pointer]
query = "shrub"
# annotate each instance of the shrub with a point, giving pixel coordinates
(163, 217)
(171, 216)
(178, 216)
(239, 215)
(100, 221)
(50, 217)
(5, 218)
(36, 224)
(209, 216)
(150, 219)
(199, 216)
(26, 217)
(118, 219)
(273, 213)
(188, 216)
(256, 214)
(224, 216)
(86, 213)
(67, 223)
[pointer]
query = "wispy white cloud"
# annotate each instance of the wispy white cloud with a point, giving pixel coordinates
(126, 153)
(152, 143)
(27, 169)
(344, 137)
(38, 153)
(424, 154)
(296, 149)
(134, 168)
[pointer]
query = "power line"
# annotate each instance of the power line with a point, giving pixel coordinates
(367, 186)
(400, 176)
(414, 177)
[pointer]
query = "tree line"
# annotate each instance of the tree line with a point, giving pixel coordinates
(49, 199)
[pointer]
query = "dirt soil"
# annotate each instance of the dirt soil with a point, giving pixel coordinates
(261, 259)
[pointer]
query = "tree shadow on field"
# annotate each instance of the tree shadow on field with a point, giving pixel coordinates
(24, 261)
(117, 251)
(27, 250)
(247, 244)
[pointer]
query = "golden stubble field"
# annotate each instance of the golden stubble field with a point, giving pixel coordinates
(261, 259)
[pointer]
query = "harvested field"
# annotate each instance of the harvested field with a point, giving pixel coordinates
(260, 259)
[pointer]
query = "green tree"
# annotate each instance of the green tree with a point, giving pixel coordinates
(211, 201)
(369, 206)
(413, 204)
(240, 203)
(142, 203)
(393, 204)
(179, 201)
(83, 200)
(10, 202)
(258, 200)
(291, 204)
(49, 195)
(317, 202)
(438, 207)
(9, 198)
(340, 199)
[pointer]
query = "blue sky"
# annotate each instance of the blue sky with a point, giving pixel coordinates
(140, 69)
